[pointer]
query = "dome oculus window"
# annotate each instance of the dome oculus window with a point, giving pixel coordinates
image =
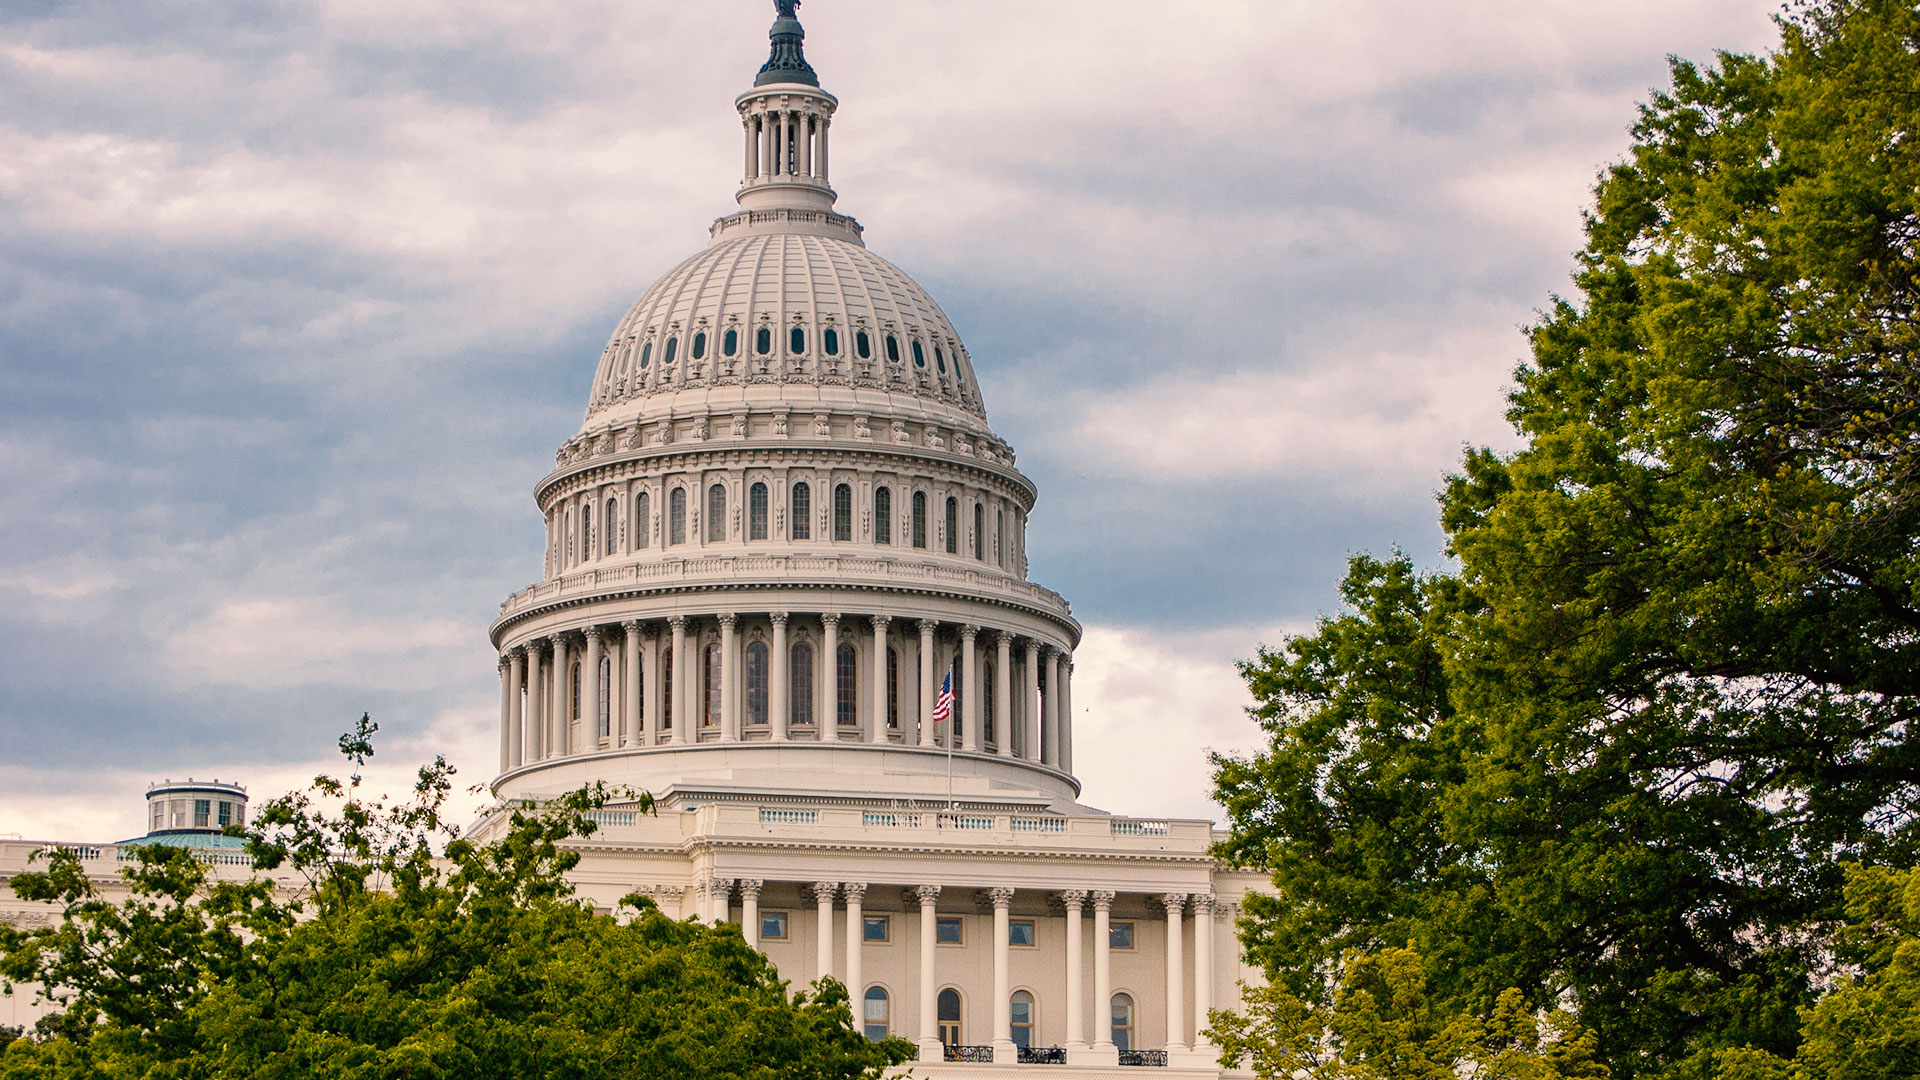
(763, 341)
(893, 349)
(646, 354)
(863, 345)
(796, 341)
(919, 356)
(940, 359)
(700, 346)
(667, 357)
(830, 341)
(730, 343)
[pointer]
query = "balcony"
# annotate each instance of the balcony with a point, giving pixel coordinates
(1144, 1057)
(1043, 1055)
(976, 1055)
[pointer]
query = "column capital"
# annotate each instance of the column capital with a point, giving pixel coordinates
(928, 626)
(1202, 903)
(506, 660)
(750, 888)
(927, 894)
(592, 633)
(1176, 903)
(1073, 898)
(779, 618)
(1102, 899)
(969, 632)
(677, 622)
(824, 890)
(728, 620)
(1001, 896)
(880, 623)
(536, 648)
(854, 891)
(829, 619)
(631, 627)
(1004, 638)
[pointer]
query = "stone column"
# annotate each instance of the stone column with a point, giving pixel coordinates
(930, 1050)
(1066, 713)
(729, 680)
(823, 892)
(561, 742)
(928, 689)
(1176, 904)
(719, 899)
(590, 691)
(1033, 702)
(750, 911)
(680, 719)
(630, 708)
(653, 699)
(822, 162)
(1004, 1052)
(970, 700)
(828, 722)
(753, 137)
(1074, 900)
(1103, 975)
(1202, 965)
(882, 702)
(516, 715)
(1003, 694)
(855, 892)
(537, 703)
(1050, 708)
(769, 130)
(777, 678)
(783, 149)
(506, 707)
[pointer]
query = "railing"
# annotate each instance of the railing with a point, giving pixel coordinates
(1144, 1057)
(978, 1055)
(890, 819)
(1043, 1055)
(1132, 827)
(770, 816)
(78, 851)
(612, 817)
(1039, 824)
(966, 821)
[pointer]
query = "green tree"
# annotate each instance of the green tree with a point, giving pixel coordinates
(1620, 757)
(477, 962)
(1382, 1024)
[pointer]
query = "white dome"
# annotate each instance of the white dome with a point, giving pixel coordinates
(728, 319)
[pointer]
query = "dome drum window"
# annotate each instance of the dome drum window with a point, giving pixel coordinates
(796, 341)
(730, 343)
(893, 349)
(700, 346)
(763, 341)
(863, 345)
(667, 357)
(646, 355)
(830, 341)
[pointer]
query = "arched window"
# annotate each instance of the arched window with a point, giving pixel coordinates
(646, 354)
(987, 696)
(919, 519)
(1122, 1022)
(940, 359)
(730, 342)
(846, 683)
(677, 516)
(606, 697)
(919, 357)
(667, 357)
(843, 512)
(640, 689)
(800, 684)
(1000, 538)
(801, 527)
(893, 349)
(666, 689)
(863, 345)
(796, 341)
(586, 533)
(710, 687)
(947, 1008)
(875, 1012)
(611, 545)
(979, 532)
(883, 515)
(953, 525)
(642, 521)
(892, 704)
(830, 341)
(716, 513)
(763, 341)
(756, 682)
(757, 512)
(700, 346)
(573, 690)
(1022, 1008)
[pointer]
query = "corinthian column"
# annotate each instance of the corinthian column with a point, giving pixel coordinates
(927, 687)
(930, 1050)
(1176, 904)
(676, 711)
(1050, 708)
(828, 722)
(1032, 747)
(729, 680)
(590, 690)
(1103, 975)
(883, 703)
(1004, 1052)
(823, 892)
(516, 719)
(855, 891)
(777, 679)
(630, 698)
(1003, 694)
(970, 701)
(537, 703)
(1202, 964)
(750, 911)
(560, 744)
(1074, 900)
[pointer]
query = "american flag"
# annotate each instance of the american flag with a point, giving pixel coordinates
(943, 705)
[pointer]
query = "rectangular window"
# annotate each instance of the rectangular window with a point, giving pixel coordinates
(800, 528)
(979, 532)
(773, 926)
(202, 813)
(877, 928)
(757, 512)
(843, 512)
(226, 813)
(1120, 935)
(946, 930)
(1020, 932)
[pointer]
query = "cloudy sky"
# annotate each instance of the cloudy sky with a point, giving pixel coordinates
(297, 298)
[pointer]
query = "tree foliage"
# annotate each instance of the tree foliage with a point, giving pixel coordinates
(1621, 756)
(477, 962)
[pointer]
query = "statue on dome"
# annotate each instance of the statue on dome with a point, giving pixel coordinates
(787, 9)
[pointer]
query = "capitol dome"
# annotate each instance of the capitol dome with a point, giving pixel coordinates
(784, 551)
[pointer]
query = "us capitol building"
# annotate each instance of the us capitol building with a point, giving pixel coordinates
(784, 528)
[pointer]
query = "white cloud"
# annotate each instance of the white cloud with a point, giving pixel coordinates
(285, 641)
